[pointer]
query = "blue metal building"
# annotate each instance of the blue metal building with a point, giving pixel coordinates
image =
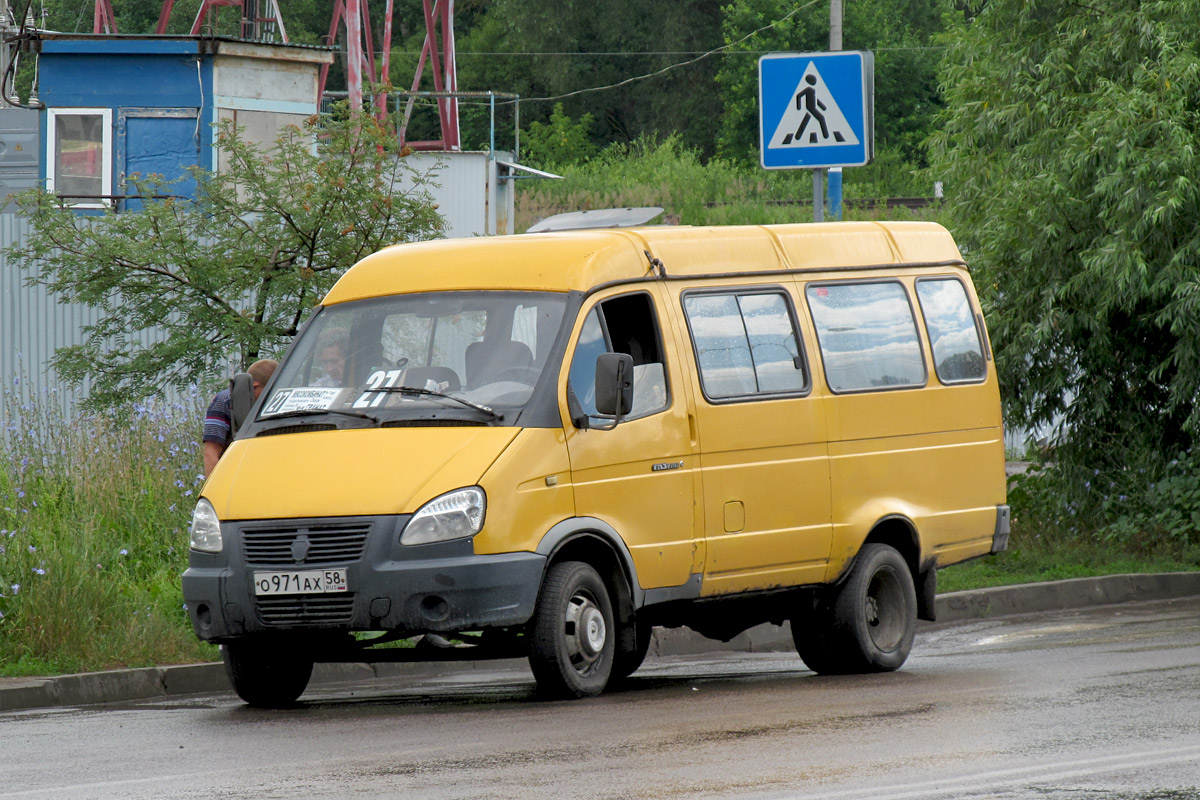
(119, 105)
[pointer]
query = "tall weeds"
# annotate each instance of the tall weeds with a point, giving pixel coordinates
(654, 172)
(93, 534)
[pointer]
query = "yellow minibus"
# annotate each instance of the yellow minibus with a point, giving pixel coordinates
(545, 445)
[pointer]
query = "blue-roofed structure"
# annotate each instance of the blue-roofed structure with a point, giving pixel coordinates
(119, 105)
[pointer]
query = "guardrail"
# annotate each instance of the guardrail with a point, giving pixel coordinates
(868, 203)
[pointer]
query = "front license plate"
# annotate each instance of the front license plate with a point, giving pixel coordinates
(312, 581)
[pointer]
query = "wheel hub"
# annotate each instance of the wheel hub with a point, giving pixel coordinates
(585, 632)
(593, 631)
(872, 611)
(884, 610)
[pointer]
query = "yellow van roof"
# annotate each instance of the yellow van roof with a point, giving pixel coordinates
(578, 260)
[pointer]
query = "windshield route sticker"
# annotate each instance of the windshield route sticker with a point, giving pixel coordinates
(306, 399)
(377, 380)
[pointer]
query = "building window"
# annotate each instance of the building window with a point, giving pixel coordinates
(79, 169)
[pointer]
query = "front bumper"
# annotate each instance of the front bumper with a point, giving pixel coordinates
(442, 587)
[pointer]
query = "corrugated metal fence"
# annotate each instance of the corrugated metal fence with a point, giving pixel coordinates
(33, 324)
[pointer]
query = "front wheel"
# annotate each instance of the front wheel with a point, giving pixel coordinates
(630, 654)
(573, 636)
(868, 625)
(266, 674)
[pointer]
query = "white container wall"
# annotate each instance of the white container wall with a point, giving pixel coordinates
(472, 190)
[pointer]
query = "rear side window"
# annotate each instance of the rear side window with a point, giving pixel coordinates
(957, 349)
(867, 335)
(746, 344)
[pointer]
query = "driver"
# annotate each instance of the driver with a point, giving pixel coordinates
(332, 349)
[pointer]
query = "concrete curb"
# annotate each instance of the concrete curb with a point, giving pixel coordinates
(139, 684)
(1061, 595)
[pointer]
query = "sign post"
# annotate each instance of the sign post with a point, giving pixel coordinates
(816, 110)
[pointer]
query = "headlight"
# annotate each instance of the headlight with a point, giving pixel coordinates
(454, 515)
(206, 528)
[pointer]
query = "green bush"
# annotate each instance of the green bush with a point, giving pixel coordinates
(1147, 505)
(93, 535)
(559, 142)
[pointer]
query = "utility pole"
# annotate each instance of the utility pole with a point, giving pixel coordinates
(8, 29)
(835, 25)
(835, 44)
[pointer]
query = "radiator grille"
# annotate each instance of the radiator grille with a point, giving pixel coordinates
(307, 428)
(306, 609)
(434, 423)
(327, 545)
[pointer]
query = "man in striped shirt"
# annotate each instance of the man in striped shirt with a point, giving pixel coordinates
(218, 421)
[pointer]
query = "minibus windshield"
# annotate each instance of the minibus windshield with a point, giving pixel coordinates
(468, 356)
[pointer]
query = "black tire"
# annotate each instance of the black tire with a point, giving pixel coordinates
(627, 659)
(812, 631)
(868, 624)
(266, 674)
(573, 637)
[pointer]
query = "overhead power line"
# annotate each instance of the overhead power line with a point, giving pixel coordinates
(639, 53)
(656, 72)
(670, 67)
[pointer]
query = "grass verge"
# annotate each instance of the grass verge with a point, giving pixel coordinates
(93, 537)
(1046, 556)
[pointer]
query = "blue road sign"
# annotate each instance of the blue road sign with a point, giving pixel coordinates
(816, 109)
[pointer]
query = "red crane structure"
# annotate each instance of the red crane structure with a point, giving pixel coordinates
(261, 20)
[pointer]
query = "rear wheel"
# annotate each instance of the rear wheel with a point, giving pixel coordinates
(868, 624)
(266, 674)
(811, 633)
(573, 637)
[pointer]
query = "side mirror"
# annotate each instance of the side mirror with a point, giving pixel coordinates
(614, 384)
(241, 399)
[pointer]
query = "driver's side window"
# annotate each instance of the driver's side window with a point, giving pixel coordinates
(625, 324)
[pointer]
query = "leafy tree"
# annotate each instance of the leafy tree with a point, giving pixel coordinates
(558, 142)
(232, 273)
(1070, 150)
(738, 75)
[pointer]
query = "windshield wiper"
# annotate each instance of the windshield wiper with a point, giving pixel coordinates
(436, 393)
(311, 412)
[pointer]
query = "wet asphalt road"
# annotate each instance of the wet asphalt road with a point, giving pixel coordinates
(1096, 705)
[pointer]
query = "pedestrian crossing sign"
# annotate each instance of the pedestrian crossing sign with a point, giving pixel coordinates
(816, 110)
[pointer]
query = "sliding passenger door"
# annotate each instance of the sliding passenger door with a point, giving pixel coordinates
(763, 459)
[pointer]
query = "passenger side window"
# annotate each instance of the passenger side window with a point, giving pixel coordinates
(867, 335)
(625, 324)
(957, 348)
(746, 344)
